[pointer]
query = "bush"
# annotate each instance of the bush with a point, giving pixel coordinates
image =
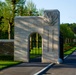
(6, 57)
(68, 46)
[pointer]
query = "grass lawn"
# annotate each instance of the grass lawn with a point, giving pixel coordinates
(4, 64)
(68, 52)
(35, 52)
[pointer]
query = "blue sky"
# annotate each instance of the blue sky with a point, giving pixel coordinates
(67, 8)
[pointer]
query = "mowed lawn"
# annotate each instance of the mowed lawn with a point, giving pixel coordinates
(70, 51)
(4, 64)
(35, 52)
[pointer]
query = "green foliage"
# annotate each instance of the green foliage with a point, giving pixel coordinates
(20, 8)
(11, 8)
(31, 9)
(41, 11)
(66, 31)
(6, 57)
(2, 4)
(3, 35)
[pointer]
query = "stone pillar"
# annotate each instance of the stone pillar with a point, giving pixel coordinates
(52, 17)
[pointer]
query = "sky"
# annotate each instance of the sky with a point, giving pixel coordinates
(67, 8)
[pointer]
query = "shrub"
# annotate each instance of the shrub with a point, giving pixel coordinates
(6, 57)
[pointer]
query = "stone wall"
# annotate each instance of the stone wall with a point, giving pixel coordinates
(7, 48)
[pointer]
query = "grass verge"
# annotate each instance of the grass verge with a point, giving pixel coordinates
(70, 51)
(5, 64)
(35, 52)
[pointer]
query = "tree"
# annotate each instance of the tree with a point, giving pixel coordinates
(11, 8)
(41, 11)
(31, 9)
(20, 8)
(8, 17)
(2, 29)
(9, 12)
(67, 32)
(2, 4)
(73, 27)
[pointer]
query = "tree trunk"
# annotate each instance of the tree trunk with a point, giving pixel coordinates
(37, 40)
(9, 33)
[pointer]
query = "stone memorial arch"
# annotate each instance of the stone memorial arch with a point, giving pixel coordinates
(47, 26)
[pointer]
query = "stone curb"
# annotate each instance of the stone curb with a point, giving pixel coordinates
(44, 69)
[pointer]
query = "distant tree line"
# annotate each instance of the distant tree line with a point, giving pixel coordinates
(68, 31)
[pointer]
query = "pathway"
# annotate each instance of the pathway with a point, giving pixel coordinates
(24, 69)
(67, 68)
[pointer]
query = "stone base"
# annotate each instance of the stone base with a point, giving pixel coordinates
(60, 61)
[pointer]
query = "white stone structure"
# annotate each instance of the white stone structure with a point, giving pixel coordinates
(47, 26)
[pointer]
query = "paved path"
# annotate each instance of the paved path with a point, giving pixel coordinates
(68, 68)
(23, 69)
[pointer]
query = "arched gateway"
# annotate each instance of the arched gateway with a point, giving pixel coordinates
(35, 45)
(47, 26)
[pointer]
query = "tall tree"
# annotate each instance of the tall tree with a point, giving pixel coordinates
(20, 8)
(8, 17)
(66, 31)
(31, 9)
(2, 4)
(12, 8)
(9, 12)
(41, 11)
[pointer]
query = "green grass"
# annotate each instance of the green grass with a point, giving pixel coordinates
(35, 52)
(4, 64)
(70, 51)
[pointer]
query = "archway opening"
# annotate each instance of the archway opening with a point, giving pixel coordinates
(35, 51)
